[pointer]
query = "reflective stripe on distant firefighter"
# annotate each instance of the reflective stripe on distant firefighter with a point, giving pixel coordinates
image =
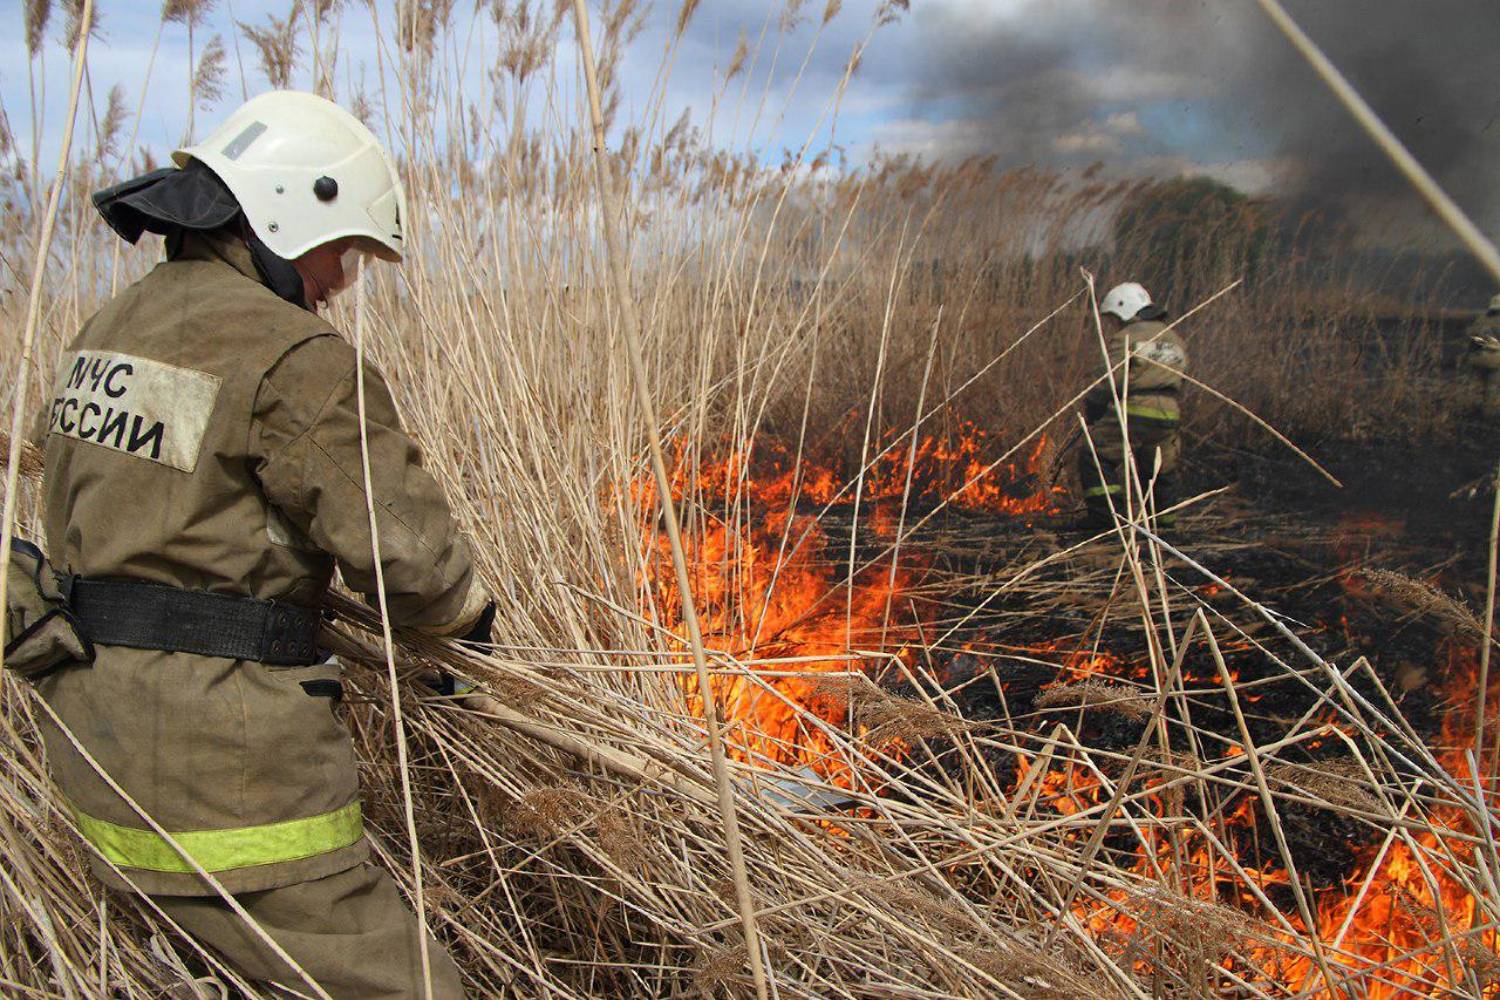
(222, 850)
(1151, 413)
(1099, 491)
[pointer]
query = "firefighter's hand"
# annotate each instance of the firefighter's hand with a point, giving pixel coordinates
(462, 693)
(479, 633)
(478, 638)
(446, 684)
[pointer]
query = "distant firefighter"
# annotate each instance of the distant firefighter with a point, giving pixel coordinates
(1484, 357)
(1150, 387)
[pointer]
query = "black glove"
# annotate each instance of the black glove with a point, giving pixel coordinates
(479, 634)
(443, 682)
(1097, 403)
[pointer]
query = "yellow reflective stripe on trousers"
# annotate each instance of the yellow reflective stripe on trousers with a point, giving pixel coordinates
(1151, 413)
(222, 850)
(1099, 491)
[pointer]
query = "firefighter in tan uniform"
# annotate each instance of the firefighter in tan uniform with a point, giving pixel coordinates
(203, 483)
(1149, 387)
(1484, 358)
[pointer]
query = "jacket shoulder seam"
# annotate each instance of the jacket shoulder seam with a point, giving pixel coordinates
(316, 413)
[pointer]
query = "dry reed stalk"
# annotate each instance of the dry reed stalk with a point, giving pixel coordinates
(1097, 694)
(911, 471)
(398, 722)
(1488, 631)
(484, 705)
(1253, 754)
(1468, 234)
(1122, 787)
(1426, 601)
(626, 304)
(887, 716)
(1336, 782)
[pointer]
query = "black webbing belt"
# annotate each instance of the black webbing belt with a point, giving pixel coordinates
(153, 616)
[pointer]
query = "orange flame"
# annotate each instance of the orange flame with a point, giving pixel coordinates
(770, 591)
(1392, 923)
(1403, 924)
(1388, 927)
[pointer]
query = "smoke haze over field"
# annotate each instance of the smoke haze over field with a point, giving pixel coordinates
(1160, 86)
(1147, 87)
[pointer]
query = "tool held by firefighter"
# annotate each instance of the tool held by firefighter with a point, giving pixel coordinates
(1484, 357)
(1149, 386)
(179, 644)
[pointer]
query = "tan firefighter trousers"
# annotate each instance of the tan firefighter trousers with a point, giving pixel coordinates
(352, 932)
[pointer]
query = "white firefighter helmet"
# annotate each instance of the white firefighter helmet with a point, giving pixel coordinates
(1125, 301)
(306, 172)
(1494, 309)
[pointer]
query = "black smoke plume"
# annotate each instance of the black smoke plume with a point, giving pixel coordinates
(1163, 86)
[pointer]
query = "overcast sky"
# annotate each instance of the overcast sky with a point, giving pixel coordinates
(1145, 86)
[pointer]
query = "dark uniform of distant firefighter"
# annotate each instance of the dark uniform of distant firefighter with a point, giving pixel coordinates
(1484, 358)
(203, 481)
(1149, 387)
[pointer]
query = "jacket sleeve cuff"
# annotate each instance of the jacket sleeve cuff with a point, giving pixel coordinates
(473, 606)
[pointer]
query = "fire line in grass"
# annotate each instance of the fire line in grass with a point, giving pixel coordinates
(770, 590)
(1401, 924)
(773, 592)
(1403, 918)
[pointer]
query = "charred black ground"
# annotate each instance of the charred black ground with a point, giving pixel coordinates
(1278, 533)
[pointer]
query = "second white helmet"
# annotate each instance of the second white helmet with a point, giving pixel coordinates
(306, 172)
(1125, 301)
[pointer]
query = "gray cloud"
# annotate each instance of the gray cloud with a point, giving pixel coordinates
(1143, 84)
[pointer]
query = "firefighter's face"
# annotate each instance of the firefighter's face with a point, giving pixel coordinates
(327, 270)
(1109, 322)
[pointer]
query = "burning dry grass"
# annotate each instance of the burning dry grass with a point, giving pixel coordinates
(833, 328)
(1341, 783)
(1423, 600)
(1100, 695)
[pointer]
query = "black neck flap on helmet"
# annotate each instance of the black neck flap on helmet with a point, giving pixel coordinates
(171, 202)
(1152, 313)
(276, 273)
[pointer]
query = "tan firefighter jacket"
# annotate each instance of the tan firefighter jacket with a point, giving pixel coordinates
(203, 433)
(1150, 389)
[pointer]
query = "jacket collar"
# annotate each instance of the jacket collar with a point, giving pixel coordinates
(218, 246)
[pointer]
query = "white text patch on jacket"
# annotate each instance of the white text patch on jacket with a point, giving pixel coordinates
(133, 405)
